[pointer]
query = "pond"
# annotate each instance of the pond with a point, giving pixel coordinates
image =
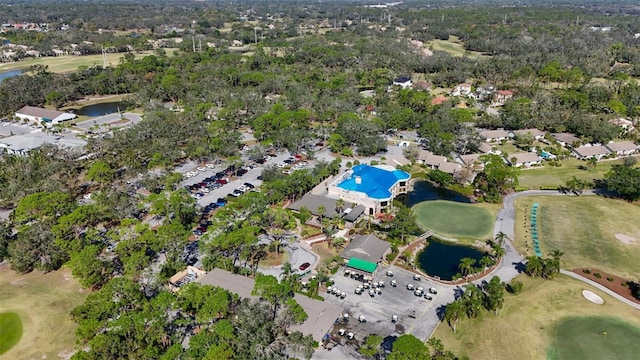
(10, 73)
(101, 109)
(442, 258)
(424, 190)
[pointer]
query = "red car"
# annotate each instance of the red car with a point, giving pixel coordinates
(304, 266)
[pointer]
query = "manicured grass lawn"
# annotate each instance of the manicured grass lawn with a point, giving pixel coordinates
(10, 331)
(69, 63)
(525, 327)
(584, 229)
(275, 260)
(552, 177)
(454, 219)
(453, 46)
(43, 303)
(595, 337)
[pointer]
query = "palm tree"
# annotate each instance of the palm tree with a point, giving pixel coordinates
(452, 313)
(286, 272)
(500, 238)
(592, 162)
(473, 299)
(485, 262)
(465, 266)
(498, 251)
(321, 211)
(534, 266)
(340, 206)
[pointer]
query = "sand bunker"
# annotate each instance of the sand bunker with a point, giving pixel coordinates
(626, 239)
(593, 297)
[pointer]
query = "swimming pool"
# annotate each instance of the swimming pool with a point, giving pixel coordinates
(374, 181)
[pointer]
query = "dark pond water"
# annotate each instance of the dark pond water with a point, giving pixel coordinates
(100, 109)
(424, 190)
(442, 258)
(10, 74)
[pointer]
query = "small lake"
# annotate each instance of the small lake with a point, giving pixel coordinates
(100, 109)
(424, 190)
(442, 258)
(10, 73)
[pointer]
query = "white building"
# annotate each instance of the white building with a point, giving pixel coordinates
(51, 117)
(524, 159)
(622, 148)
(373, 187)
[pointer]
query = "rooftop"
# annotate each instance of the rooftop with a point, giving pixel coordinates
(622, 146)
(40, 112)
(322, 314)
(449, 167)
(313, 202)
(526, 157)
(362, 265)
(587, 151)
(533, 132)
(492, 134)
(374, 181)
(365, 247)
(566, 138)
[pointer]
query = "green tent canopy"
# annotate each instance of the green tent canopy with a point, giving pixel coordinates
(363, 265)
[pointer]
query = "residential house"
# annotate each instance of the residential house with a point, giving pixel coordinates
(483, 92)
(188, 275)
(526, 159)
(486, 148)
(472, 161)
(450, 167)
(463, 89)
(403, 81)
(586, 152)
(51, 117)
(626, 125)
(537, 134)
(494, 135)
(566, 139)
(397, 160)
(501, 96)
(432, 160)
(622, 148)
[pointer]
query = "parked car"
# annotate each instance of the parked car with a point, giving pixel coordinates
(249, 185)
(304, 266)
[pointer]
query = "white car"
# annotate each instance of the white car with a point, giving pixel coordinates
(203, 169)
(288, 172)
(210, 166)
(281, 165)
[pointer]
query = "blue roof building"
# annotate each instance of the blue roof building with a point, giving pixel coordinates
(374, 187)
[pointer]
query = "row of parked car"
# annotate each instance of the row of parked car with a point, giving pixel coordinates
(199, 170)
(242, 189)
(214, 205)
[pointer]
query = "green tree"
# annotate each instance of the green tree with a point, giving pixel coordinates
(625, 181)
(268, 288)
(466, 266)
(91, 271)
(441, 178)
(298, 313)
(371, 346)
(452, 313)
(408, 347)
(592, 162)
(534, 266)
(101, 172)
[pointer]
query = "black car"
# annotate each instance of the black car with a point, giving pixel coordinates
(249, 185)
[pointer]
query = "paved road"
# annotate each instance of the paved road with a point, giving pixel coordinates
(110, 119)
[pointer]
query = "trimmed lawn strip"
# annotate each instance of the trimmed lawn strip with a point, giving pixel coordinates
(547, 176)
(454, 219)
(70, 63)
(584, 229)
(10, 331)
(524, 328)
(43, 303)
(595, 337)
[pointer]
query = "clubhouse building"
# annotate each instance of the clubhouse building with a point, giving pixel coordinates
(373, 187)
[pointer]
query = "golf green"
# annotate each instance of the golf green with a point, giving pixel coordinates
(594, 337)
(454, 219)
(10, 331)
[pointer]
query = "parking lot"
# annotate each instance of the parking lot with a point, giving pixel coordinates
(416, 315)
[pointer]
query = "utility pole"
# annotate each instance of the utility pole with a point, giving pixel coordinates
(577, 20)
(199, 45)
(255, 35)
(193, 42)
(105, 63)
